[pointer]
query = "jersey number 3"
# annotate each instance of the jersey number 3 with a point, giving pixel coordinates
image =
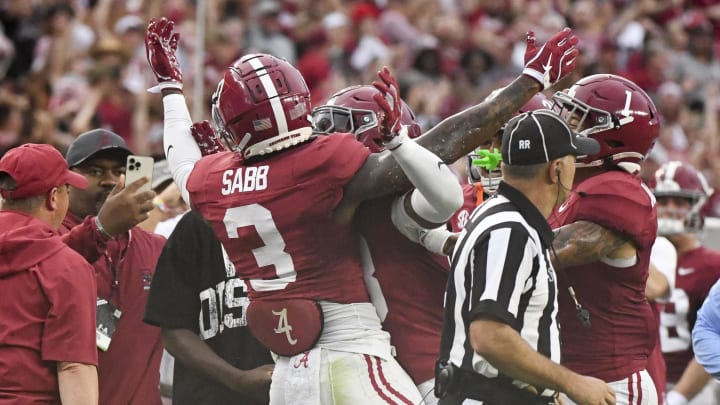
(272, 253)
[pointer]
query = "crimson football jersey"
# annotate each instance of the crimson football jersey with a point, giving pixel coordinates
(696, 272)
(470, 202)
(275, 218)
(407, 286)
(622, 331)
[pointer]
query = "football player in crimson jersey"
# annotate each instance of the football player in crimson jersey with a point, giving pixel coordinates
(681, 192)
(413, 313)
(282, 202)
(606, 231)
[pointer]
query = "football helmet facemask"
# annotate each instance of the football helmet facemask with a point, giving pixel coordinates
(352, 110)
(487, 175)
(679, 180)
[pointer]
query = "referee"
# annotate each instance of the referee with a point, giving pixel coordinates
(500, 342)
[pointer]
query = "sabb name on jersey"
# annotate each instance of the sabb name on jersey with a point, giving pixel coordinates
(243, 179)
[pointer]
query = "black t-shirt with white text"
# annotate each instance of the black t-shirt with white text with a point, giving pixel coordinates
(195, 288)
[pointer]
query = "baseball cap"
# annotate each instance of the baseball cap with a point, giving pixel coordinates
(161, 174)
(37, 169)
(540, 136)
(129, 22)
(89, 143)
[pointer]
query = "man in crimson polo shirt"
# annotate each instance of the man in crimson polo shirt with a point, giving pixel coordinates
(129, 369)
(47, 327)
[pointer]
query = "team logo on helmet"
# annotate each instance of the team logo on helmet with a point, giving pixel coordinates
(615, 112)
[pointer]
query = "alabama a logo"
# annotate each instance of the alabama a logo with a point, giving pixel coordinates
(284, 326)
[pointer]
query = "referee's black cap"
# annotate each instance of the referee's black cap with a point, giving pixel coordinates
(540, 136)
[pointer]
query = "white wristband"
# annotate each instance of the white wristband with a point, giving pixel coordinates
(541, 78)
(402, 136)
(434, 239)
(675, 398)
(165, 85)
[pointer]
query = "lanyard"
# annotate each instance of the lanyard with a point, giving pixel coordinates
(114, 269)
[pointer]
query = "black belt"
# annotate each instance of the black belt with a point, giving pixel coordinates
(453, 385)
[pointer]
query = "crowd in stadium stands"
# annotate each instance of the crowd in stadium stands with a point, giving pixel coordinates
(70, 66)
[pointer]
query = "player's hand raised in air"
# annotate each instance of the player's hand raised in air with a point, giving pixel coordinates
(160, 47)
(206, 138)
(389, 101)
(552, 61)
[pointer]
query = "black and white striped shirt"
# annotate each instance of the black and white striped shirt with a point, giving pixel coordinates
(501, 267)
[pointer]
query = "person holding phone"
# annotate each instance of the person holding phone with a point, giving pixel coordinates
(128, 369)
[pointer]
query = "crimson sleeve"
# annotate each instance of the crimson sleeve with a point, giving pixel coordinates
(86, 239)
(69, 332)
(625, 207)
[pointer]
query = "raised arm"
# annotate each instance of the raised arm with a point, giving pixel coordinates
(437, 194)
(181, 150)
(461, 133)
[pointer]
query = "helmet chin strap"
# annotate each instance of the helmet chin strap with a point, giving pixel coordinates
(278, 142)
(629, 167)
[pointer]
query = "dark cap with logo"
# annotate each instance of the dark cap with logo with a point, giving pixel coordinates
(89, 143)
(540, 136)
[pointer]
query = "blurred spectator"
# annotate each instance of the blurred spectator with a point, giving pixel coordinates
(325, 66)
(428, 92)
(606, 60)
(10, 125)
(65, 39)
(698, 64)
(265, 32)
(370, 47)
(7, 51)
(395, 26)
(471, 81)
(130, 31)
(648, 66)
(588, 20)
(673, 114)
(225, 45)
(21, 23)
